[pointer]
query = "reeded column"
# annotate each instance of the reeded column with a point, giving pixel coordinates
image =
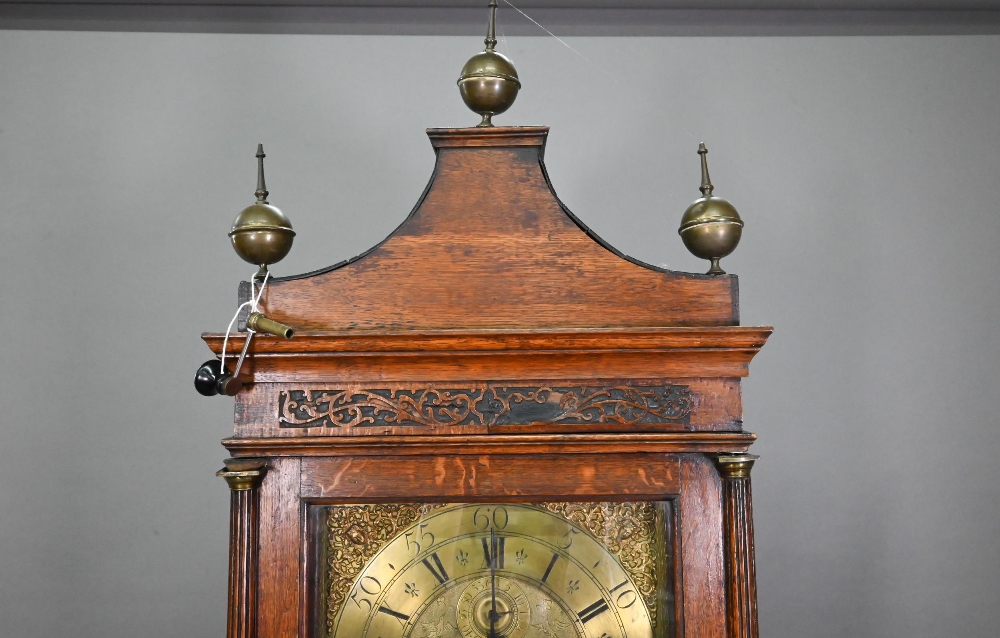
(244, 477)
(741, 578)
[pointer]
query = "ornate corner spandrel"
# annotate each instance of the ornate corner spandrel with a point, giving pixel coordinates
(629, 531)
(354, 534)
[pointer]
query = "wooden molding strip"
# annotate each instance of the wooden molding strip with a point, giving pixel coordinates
(457, 355)
(481, 137)
(458, 341)
(672, 442)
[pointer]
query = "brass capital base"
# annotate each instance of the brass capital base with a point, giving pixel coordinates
(243, 474)
(735, 466)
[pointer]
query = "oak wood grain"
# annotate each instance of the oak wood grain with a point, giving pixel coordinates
(657, 337)
(581, 354)
(741, 576)
(523, 444)
(241, 621)
(702, 567)
(489, 245)
(279, 594)
(495, 476)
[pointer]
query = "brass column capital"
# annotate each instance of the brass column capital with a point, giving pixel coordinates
(737, 516)
(244, 477)
(243, 474)
(735, 466)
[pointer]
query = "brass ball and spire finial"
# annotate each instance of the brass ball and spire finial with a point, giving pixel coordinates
(711, 228)
(261, 234)
(489, 82)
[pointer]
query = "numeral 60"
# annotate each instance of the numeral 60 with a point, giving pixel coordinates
(484, 517)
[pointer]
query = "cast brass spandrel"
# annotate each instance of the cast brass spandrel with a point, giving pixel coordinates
(573, 570)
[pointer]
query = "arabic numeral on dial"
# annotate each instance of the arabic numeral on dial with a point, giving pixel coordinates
(626, 598)
(357, 601)
(424, 535)
(566, 540)
(412, 544)
(487, 517)
(500, 517)
(418, 538)
(368, 585)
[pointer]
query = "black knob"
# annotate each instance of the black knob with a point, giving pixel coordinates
(206, 379)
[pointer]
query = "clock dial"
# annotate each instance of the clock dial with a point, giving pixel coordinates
(498, 571)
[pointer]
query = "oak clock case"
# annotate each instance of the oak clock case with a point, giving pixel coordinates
(524, 570)
(567, 459)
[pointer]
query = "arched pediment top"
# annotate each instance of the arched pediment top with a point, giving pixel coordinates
(490, 246)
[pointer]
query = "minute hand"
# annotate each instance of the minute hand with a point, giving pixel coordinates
(494, 616)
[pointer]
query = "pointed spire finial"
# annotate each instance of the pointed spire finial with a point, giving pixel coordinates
(706, 183)
(710, 228)
(488, 82)
(491, 30)
(261, 233)
(261, 191)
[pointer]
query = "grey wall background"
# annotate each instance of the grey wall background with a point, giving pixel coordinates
(867, 170)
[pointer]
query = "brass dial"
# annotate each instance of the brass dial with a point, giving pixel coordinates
(550, 578)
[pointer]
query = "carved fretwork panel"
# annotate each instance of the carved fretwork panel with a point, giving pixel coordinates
(475, 407)
(487, 404)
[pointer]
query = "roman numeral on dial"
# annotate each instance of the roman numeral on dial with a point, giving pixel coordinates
(439, 573)
(394, 614)
(494, 553)
(593, 611)
(548, 570)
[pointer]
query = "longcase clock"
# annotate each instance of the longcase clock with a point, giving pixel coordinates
(493, 424)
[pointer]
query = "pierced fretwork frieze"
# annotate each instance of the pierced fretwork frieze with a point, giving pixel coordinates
(489, 404)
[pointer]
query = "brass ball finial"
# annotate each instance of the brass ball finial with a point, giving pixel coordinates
(711, 228)
(489, 82)
(261, 234)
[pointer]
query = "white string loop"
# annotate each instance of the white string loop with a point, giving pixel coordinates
(253, 308)
(563, 42)
(613, 76)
